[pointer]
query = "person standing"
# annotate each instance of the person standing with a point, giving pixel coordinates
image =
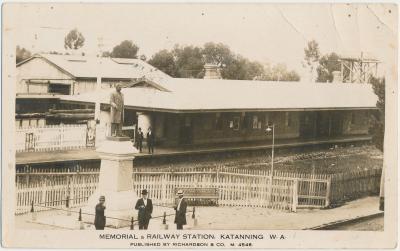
(99, 218)
(150, 140)
(180, 211)
(139, 139)
(117, 111)
(144, 206)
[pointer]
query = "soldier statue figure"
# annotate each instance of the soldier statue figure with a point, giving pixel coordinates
(117, 111)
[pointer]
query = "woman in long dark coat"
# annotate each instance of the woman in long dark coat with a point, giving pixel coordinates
(99, 218)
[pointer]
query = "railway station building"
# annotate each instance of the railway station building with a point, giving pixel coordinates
(185, 111)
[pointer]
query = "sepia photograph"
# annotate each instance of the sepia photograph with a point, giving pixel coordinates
(227, 125)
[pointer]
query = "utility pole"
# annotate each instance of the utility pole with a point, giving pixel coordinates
(268, 130)
(98, 83)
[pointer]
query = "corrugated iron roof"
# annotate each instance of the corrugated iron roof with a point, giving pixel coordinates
(114, 68)
(216, 94)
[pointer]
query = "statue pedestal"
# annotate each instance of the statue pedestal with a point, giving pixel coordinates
(115, 182)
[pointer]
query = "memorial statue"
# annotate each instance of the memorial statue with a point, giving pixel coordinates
(117, 111)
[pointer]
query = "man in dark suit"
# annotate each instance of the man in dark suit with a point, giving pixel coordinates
(145, 207)
(99, 218)
(180, 211)
(150, 140)
(139, 139)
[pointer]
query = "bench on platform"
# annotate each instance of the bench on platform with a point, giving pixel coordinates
(199, 196)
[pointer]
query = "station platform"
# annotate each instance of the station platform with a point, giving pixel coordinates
(90, 153)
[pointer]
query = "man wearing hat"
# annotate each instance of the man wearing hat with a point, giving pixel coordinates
(99, 218)
(145, 209)
(180, 211)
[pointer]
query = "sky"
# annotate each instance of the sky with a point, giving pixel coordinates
(269, 33)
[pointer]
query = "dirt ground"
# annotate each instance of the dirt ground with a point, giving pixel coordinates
(375, 224)
(223, 218)
(315, 160)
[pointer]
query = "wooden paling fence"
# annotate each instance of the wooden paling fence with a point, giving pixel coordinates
(237, 187)
(351, 185)
(52, 187)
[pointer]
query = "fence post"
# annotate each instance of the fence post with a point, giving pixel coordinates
(194, 217)
(328, 192)
(164, 222)
(81, 227)
(34, 216)
(132, 226)
(67, 206)
(295, 195)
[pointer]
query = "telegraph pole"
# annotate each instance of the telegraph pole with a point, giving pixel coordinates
(98, 83)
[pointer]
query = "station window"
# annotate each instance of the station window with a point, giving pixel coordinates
(353, 118)
(269, 119)
(188, 121)
(59, 89)
(288, 119)
(218, 121)
(207, 122)
(255, 122)
(236, 123)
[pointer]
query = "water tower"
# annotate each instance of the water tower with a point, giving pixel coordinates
(358, 69)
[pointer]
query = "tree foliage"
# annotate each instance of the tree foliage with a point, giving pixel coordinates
(377, 128)
(327, 64)
(22, 54)
(218, 54)
(311, 58)
(164, 60)
(74, 40)
(279, 72)
(189, 61)
(126, 49)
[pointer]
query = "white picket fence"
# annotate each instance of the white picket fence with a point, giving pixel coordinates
(238, 187)
(51, 188)
(57, 137)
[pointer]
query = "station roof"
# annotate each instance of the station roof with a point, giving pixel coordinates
(80, 66)
(202, 95)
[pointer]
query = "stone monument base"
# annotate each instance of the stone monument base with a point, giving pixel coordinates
(115, 183)
(119, 205)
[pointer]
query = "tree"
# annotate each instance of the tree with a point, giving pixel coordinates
(311, 58)
(377, 128)
(164, 60)
(106, 54)
(242, 69)
(126, 49)
(218, 54)
(189, 61)
(327, 64)
(21, 54)
(74, 40)
(279, 72)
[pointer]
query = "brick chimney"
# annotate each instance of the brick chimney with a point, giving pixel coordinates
(212, 71)
(337, 77)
